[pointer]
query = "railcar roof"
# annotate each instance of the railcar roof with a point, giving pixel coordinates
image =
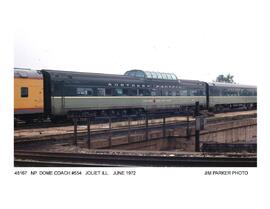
(83, 76)
(27, 73)
(190, 81)
(82, 73)
(234, 85)
(88, 75)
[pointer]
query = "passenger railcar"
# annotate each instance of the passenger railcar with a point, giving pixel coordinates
(67, 92)
(28, 94)
(60, 93)
(222, 95)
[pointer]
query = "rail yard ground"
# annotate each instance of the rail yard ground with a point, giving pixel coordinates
(228, 139)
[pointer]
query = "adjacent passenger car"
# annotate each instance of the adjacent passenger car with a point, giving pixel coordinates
(28, 94)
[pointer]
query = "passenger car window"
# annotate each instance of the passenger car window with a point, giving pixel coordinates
(159, 75)
(132, 73)
(255, 92)
(85, 91)
(183, 92)
(108, 92)
(118, 92)
(100, 91)
(24, 91)
(164, 76)
(148, 74)
(174, 77)
(144, 92)
(139, 74)
(169, 76)
(132, 92)
(154, 75)
(153, 93)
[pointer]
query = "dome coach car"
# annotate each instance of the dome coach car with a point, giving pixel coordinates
(136, 91)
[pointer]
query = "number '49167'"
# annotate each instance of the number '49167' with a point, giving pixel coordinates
(20, 172)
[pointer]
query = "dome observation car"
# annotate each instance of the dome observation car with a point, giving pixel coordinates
(151, 75)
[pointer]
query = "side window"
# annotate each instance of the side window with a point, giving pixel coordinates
(118, 92)
(85, 91)
(89, 92)
(153, 92)
(24, 91)
(165, 92)
(193, 92)
(255, 92)
(132, 92)
(100, 91)
(144, 92)
(108, 92)
(214, 91)
(183, 92)
(200, 92)
(141, 92)
(139, 74)
(125, 92)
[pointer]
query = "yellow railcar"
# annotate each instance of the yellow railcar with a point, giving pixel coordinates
(28, 93)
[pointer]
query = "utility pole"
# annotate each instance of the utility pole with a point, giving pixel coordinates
(197, 128)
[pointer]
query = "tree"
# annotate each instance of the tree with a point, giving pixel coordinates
(225, 79)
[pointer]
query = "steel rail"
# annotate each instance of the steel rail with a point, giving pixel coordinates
(79, 159)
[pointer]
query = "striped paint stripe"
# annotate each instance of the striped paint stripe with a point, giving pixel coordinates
(127, 97)
(28, 110)
(27, 78)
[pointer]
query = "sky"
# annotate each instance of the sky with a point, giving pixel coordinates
(193, 39)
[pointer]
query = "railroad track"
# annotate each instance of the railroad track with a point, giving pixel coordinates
(57, 159)
(22, 125)
(100, 120)
(97, 134)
